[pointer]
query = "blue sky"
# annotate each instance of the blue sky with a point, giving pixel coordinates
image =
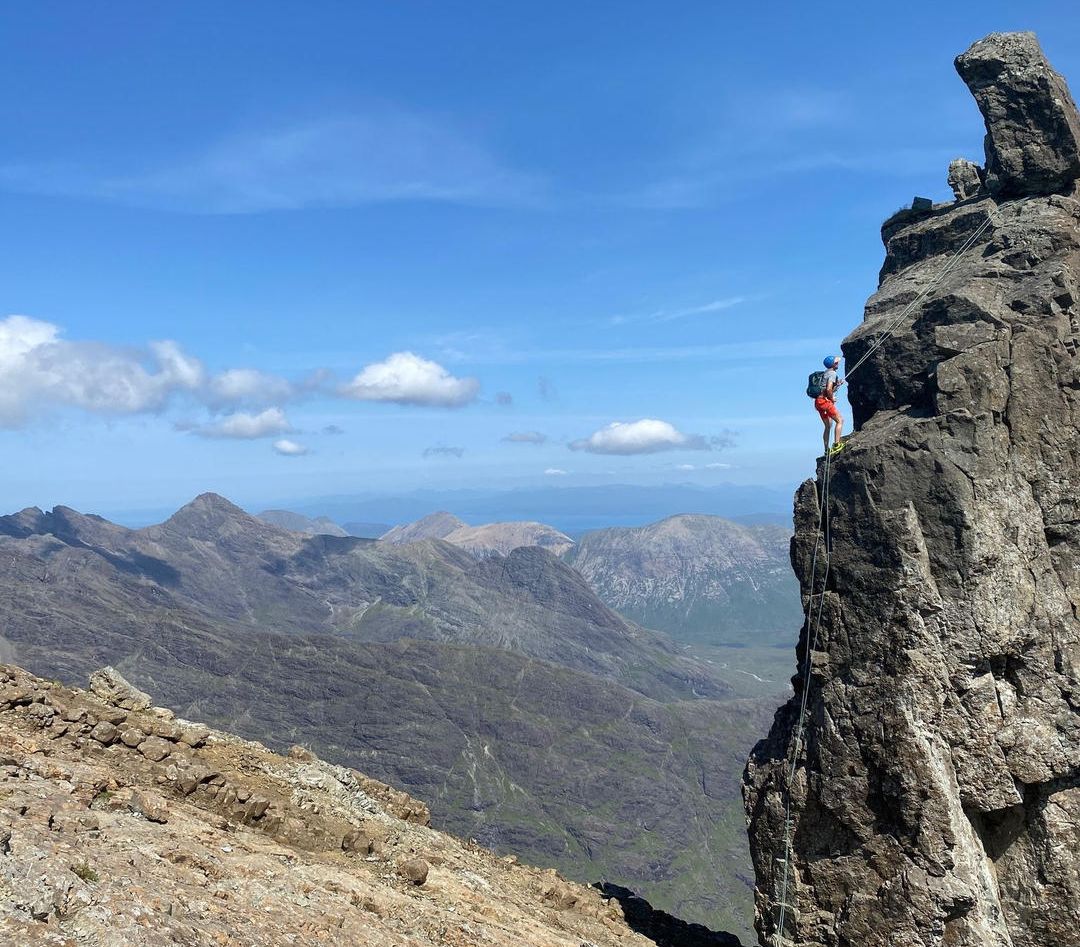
(278, 250)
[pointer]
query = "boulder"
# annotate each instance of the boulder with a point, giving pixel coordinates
(1032, 128)
(414, 870)
(110, 685)
(104, 732)
(155, 749)
(149, 805)
(965, 179)
(132, 736)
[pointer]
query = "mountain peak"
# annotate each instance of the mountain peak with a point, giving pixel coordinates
(433, 526)
(208, 511)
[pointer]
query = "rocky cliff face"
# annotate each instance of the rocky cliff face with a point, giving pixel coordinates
(939, 797)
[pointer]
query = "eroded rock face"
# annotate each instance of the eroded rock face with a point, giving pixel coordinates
(939, 797)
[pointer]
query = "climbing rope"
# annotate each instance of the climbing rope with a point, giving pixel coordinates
(813, 617)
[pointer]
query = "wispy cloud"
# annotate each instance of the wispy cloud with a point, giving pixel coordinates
(767, 139)
(441, 451)
(382, 154)
(670, 315)
(237, 386)
(545, 387)
(526, 437)
(555, 472)
(757, 349)
(245, 426)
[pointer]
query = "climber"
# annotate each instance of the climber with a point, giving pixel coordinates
(822, 387)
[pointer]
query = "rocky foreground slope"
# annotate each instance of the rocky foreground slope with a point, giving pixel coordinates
(121, 826)
(939, 801)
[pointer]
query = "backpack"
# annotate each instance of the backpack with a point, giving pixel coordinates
(815, 384)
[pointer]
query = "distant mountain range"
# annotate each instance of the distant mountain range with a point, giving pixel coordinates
(491, 538)
(499, 689)
(571, 510)
(700, 578)
(318, 526)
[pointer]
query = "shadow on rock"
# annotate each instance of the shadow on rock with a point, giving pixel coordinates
(661, 927)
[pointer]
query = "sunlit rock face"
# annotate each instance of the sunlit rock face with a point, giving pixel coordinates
(938, 800)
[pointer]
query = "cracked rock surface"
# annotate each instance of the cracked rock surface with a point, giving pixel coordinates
(938, 798)
(220, 842)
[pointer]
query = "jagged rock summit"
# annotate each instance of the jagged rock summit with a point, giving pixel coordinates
(1032, 126)
(938, 797)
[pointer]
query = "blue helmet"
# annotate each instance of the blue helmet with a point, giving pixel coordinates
(831, 361)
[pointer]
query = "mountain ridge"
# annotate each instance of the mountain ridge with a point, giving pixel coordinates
(530, 715)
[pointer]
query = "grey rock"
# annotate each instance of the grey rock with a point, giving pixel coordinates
(155, 749)
(1032, 128)
(132, 736)
(104, 732)
(965, 179)
(149, 805)
(937, 799)
(166, 729)
(194, 736)
(110, 685)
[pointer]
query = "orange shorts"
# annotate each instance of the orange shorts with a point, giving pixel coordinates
(826, 408)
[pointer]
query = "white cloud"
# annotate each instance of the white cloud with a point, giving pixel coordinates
(289, 448)
(555, 472)
(247, 386)
(382, 154)
(685, 467)
(718, 466)
(647, 436)
(525, 437)
(40, 370)
(244, 426)
(405, 378)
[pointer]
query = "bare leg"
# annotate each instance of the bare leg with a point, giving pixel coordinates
(839, 429)
(825, 438)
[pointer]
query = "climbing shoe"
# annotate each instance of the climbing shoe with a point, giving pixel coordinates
(836, 448)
